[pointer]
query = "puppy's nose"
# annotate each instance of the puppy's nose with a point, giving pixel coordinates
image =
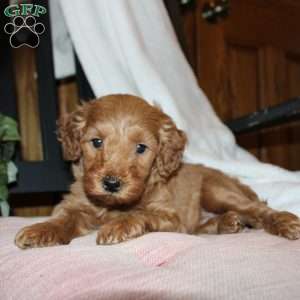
(111, 184)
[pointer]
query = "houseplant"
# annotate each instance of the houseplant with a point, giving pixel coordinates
(9, 135)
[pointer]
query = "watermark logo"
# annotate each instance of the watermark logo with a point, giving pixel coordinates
(24, 30)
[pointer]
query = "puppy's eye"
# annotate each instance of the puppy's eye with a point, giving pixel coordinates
(97, 143)
(141, 148)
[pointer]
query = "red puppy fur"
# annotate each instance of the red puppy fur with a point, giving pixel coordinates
(130, 180)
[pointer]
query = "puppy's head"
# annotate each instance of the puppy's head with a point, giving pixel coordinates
(122, 144)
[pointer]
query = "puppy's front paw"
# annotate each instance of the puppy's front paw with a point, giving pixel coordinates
(283, 224)
(119, 231)
(38, 235)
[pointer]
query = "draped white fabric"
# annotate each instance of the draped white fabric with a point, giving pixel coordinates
(129, 46)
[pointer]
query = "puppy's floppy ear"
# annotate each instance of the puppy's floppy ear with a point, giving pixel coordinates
(70, 128)
(171, 146)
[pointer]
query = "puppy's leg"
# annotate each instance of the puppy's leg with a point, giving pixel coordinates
(60, 229)
(231, 195)
(136, 223)
(156, 213)
(229, 222)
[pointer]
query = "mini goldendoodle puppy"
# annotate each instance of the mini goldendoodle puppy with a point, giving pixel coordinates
(130, 180)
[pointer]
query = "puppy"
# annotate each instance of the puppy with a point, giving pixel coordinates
(130, 180)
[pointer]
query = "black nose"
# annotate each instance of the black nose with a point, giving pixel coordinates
(111, 184)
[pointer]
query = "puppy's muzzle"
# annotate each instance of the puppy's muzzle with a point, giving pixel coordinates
(111, 184)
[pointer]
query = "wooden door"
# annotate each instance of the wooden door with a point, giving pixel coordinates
(248, 61)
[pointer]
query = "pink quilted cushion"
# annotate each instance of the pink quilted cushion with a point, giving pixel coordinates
(250, 265)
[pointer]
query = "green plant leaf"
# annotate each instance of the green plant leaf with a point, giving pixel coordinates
(4, 206)
(8, 129)
(3, 174)
(8, 136)
(7, 150)
(3, 193)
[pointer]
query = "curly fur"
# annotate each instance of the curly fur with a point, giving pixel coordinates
(159, 192)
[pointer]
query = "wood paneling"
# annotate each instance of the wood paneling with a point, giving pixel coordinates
(248, 61)
(28, 211)
(269, 22)
(272, 91)
(29, 118)
(293, 89)
(67, 96)
(29, 121)
(211, 67)
(243, 84)
(190, 31)
(41, 204)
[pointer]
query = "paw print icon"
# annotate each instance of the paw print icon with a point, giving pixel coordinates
(24, 31)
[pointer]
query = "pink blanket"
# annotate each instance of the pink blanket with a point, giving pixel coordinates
(250, 265)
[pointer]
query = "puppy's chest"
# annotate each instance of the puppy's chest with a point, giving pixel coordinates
(105, 215)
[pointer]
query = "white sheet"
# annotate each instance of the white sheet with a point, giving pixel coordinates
(129, 46)
(63, 56)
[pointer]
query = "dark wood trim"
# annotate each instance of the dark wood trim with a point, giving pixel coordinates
(279, 114)
(43, 176)
(7, 89)
(84, 88)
